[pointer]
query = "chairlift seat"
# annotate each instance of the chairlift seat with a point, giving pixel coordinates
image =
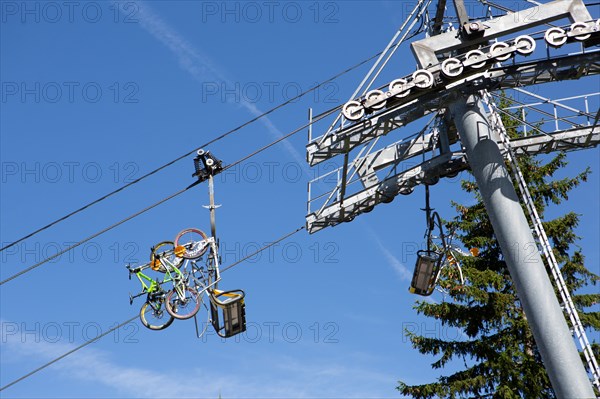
(426, 272)
(232, 309)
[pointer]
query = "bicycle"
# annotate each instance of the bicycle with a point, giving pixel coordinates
(178, 262)
(181, 301)
(184, 301)
(152, 312)
(196, 243)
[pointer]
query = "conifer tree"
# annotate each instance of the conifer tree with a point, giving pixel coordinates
(498, 351)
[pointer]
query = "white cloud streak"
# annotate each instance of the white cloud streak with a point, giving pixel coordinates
(202, 68)
(284, 376)
(401, 270)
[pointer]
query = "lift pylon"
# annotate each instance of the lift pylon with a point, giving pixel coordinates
(544, 243)
(456, 66)
(544, 315)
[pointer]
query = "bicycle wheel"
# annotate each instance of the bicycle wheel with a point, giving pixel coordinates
(161, 253)
(183, 308)
(154, 317)
(193, 241)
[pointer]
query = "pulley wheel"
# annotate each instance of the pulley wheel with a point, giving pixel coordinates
(555, 37)
(497, 48)
(400, 85)
(525, 45)
(353, 110)
(452, 67)
(376, 95)
(578, 27)
(423, 79)
(477, 57)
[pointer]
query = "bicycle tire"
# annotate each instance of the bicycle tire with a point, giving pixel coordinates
(155, 263)
(176, 312)
(194, 253)
(150, 325)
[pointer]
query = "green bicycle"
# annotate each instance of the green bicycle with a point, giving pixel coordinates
(152, 312)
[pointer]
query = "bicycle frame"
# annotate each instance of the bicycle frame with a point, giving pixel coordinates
(155, 285)
(205, 281)
(173, 274)
(209, 278)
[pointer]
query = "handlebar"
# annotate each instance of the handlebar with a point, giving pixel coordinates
(135, 270)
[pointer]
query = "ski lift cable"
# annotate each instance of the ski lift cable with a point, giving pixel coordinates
(56, 359)
(106, 229)
(90, 341)
(212, 141)
(422, 8)
(394, 43)
(282, 238)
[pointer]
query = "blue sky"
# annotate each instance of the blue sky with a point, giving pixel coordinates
(96, 94)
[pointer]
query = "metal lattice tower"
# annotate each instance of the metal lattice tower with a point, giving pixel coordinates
(457, 67)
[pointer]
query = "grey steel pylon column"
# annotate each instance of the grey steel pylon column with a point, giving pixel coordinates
(559, 353)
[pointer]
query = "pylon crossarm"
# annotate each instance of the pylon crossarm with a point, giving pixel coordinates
(395, 154)
(364, 200)
(361, 199)
(403, 111)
